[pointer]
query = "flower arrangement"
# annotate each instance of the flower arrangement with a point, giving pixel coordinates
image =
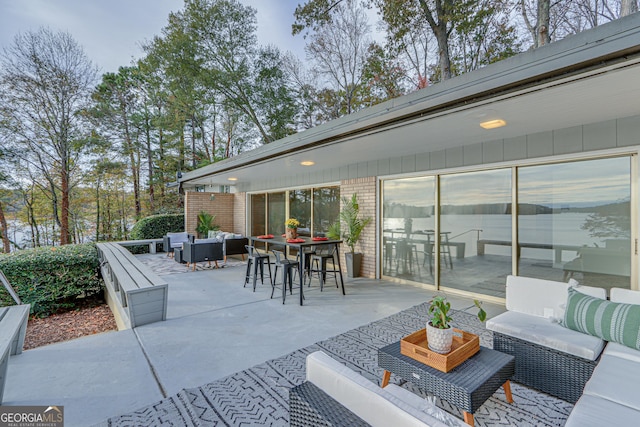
(292, 223)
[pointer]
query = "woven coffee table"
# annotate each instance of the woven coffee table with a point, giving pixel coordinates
(467, 386)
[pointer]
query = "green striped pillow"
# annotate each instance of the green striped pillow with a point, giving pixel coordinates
(604, 319)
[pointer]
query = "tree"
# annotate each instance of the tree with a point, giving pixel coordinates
(116, 104)
(627, 7)
(384, 75)
(225, 36)
(484, 36)
(405, 19)
(339, 51)
(46, 78)
(540, 31)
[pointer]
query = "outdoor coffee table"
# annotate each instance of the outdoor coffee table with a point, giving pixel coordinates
(467, 386)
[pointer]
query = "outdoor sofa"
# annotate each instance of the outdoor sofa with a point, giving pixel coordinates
(234, 243)
(335, 395)
(201, 250)
(557, 332)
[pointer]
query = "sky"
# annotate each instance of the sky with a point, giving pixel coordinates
(112, 31)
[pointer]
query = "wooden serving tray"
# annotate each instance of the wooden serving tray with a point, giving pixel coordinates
(464, 346)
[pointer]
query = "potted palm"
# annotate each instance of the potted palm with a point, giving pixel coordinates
(349, 228)
(439, 330)
(205, 224)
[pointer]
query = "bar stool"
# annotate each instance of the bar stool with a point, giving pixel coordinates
(388, 253)
(319, 265)
(307, 252)
(257, 259)
(445, 249)
(405, 252)
(288, 268)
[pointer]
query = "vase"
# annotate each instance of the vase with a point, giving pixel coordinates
(291, 233)
(439, 340)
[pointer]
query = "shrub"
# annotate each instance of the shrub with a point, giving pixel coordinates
(154, 227)
(52, 278)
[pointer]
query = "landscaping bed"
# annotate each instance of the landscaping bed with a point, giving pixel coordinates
(86, 320)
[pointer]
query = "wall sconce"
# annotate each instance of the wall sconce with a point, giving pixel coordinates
(212, 197)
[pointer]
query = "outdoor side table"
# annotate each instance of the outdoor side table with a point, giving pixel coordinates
(467, 386)
(177, 255)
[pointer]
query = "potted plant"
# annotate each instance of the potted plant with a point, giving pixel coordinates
(205, 223)
(439, 330)
(291, 231)
(352, 226)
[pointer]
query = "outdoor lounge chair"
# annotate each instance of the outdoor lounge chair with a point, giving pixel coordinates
(175, 240)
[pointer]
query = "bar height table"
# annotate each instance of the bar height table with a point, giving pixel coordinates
(308, 241)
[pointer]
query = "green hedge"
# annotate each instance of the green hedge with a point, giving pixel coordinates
(52, 278)
(154, 227)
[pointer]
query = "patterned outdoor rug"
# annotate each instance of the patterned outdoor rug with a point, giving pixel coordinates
(162, 265)
(259, 395)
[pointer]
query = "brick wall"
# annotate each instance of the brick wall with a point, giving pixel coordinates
(222, 206)
(365, 188)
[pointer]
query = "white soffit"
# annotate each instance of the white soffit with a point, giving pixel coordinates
(603, 96)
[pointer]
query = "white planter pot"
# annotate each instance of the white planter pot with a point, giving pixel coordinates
(440, 340)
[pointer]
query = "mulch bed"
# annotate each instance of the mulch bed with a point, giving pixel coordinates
(69, 325)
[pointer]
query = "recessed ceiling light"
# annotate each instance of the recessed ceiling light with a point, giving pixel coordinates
(492, 124)
(307, 163)
(232, 179)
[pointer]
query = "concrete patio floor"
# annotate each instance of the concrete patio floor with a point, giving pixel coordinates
(214, 328)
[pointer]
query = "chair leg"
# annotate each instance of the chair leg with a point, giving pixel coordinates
(247, 274)
(271, 279)
(285, 275)
(255, 272)
(273, 286)
(261, 270)
(291, 282)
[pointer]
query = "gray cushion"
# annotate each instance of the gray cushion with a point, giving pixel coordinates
(595, 411)
(212, 240)
(539, 330)
(616, 379)
(610, 321)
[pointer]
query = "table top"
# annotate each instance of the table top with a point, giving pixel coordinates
(467, 386)
(308, 241)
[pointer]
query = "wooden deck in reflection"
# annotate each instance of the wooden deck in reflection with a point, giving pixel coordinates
(487, 274)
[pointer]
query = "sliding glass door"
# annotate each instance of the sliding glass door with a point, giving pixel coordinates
(315, 208)
(572, 220)
(475, 231)
(407, 228)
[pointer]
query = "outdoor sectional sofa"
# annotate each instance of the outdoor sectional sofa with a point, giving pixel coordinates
(557, 332)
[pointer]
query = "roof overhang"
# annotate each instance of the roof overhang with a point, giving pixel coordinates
(587, 78)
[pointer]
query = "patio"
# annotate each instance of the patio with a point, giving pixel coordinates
(221, 334)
